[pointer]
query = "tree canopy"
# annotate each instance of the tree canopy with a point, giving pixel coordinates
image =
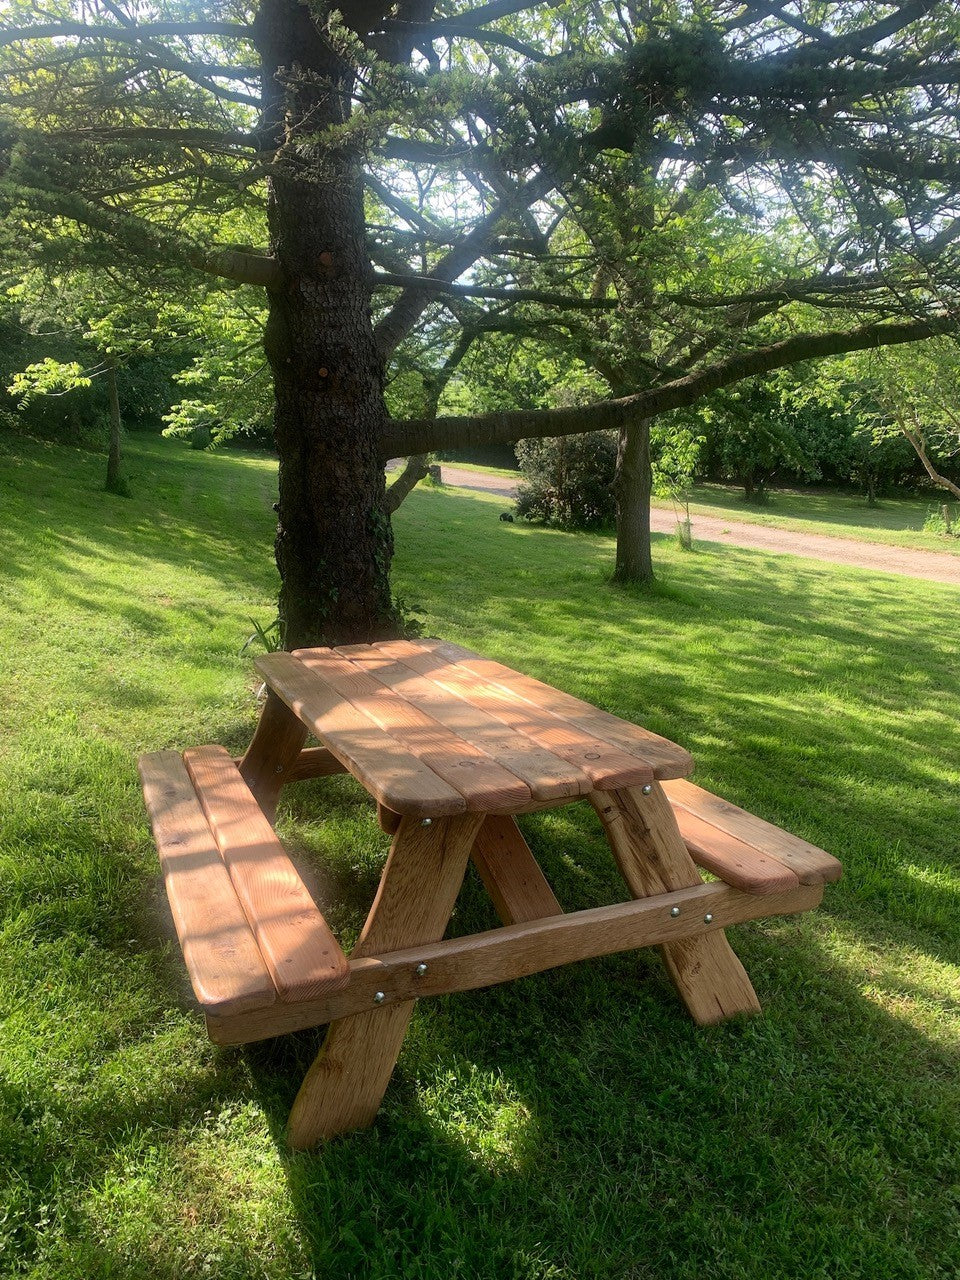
(683, 195)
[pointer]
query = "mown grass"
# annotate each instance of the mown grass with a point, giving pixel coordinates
(570, 1126)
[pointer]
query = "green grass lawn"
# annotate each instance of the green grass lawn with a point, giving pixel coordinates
(571, 1126)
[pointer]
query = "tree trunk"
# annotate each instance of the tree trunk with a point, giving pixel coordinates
(334, 542)
(633, 487)
(920, 448)
(416, 469)
(115, 482)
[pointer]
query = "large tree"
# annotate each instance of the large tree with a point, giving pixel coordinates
(377, 166)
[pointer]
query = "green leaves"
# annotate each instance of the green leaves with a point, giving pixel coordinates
(47, 377)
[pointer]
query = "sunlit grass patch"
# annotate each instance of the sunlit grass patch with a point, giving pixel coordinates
(574, 1125)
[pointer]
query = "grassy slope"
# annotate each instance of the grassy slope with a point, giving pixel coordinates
(572, 1125)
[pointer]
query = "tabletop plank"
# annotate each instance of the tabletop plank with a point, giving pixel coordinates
(666, 758)
(486, 785)
(606, 765)
(548, 776)
(392, 775)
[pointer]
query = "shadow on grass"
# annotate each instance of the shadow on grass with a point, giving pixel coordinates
(569, 1126)
(576, 1124)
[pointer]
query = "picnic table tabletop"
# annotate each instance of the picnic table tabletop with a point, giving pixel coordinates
(432, 729)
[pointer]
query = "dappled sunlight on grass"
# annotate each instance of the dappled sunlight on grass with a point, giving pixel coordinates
(568, 1126)
(477, 1109)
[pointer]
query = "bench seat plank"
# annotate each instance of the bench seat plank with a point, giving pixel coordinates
(297, 945)
(226, 970)
(810, 864)
(734, 862)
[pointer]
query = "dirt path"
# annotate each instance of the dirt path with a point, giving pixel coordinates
(932, 565)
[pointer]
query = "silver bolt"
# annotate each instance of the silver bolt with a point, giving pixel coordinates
(426, 822)
(646, 789)
(421, 970)
(708, 918)
(379, 997)
(278, 769)
(674, 911)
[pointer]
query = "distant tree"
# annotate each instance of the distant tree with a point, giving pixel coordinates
(107, 317)
(920, 399)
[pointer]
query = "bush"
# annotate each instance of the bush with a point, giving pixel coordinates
(568, 481)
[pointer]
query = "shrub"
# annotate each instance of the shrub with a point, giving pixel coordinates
(568, 481)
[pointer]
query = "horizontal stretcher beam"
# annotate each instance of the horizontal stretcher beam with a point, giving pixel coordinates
(515, 951)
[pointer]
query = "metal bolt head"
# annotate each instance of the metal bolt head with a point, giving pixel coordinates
(278, 769)
(421, 969)
(426, 822)
(646, 789)
(379, 997)
(708, 918)
(674, 911)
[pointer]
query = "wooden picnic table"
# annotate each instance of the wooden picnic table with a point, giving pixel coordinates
(452, 747)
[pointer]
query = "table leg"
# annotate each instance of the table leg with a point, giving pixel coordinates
(511, 874)
(345, 1085)
(275, 747)
(646, 843)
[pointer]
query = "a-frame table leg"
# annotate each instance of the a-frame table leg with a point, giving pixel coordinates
(510, 872)
(276, 744)
(646, 843)
(424, 871)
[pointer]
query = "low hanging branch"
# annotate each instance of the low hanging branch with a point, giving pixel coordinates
(151, 242)
(132, 34)
(384, 279)
(422, 435)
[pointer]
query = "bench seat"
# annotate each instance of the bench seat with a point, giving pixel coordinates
(250, 932)
(743, 850)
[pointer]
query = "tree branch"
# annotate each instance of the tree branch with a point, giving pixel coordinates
(383, 279)
(155, 243)
(424, 435)
(185, 137)
(408, 308)
(127, 35)
(916, 439)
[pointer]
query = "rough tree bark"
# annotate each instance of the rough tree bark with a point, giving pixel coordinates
(634, 482)
(334, 543)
